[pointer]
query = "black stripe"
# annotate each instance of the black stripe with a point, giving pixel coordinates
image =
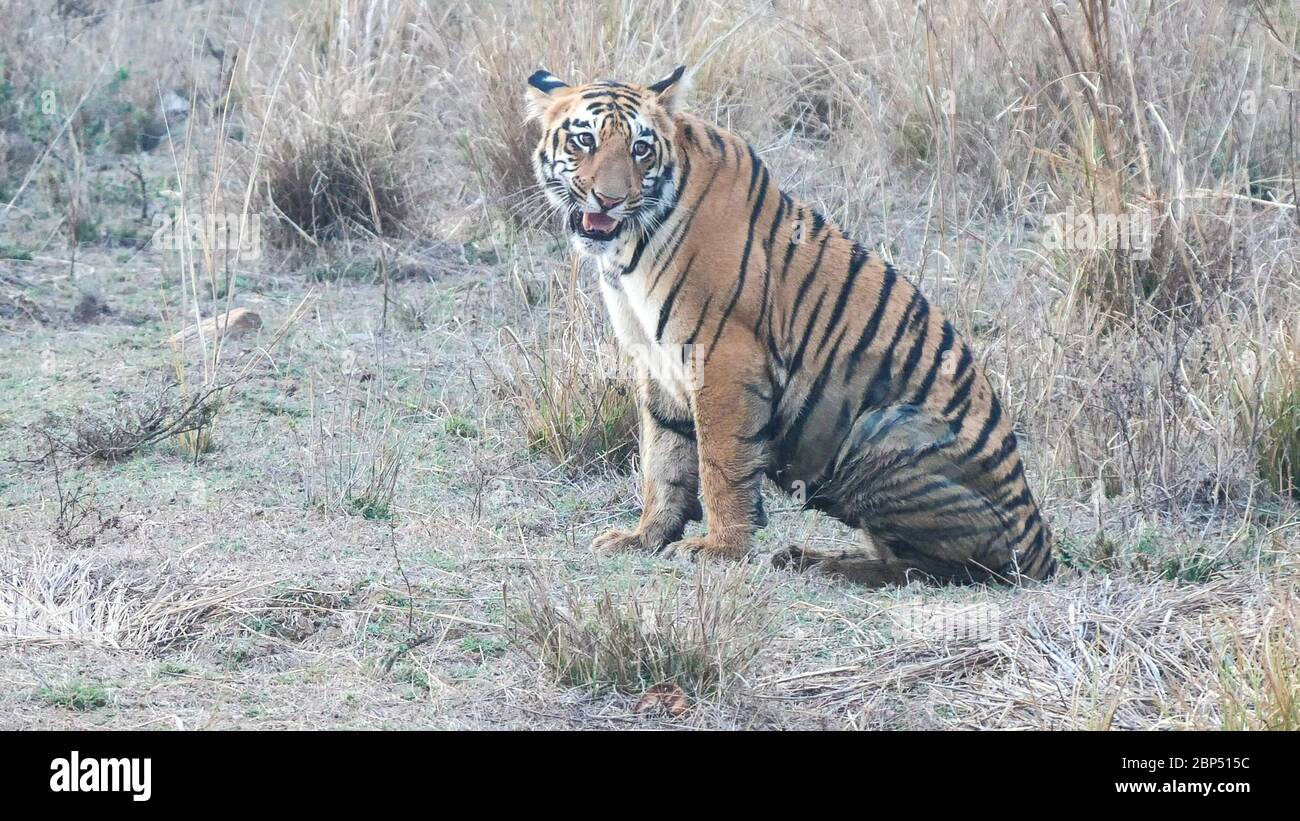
(667, 307)
(790, 441)
(995, 415)
(807, 281)
(699, 323)
(744, 259)
(684, 428)
(689, 134)
(961, 394)
(1015, 473)
(675, 241)
(858, 259)
(716, 139)
(945, 345)
(754, 168)
(767, 262)
(946, 506)
(679, 188)
(879, 387)
(873, 324)
(1004, 452)
(797, 362)
(1022, 499)
(904, 376)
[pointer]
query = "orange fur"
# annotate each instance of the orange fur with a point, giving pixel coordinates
(814, 362)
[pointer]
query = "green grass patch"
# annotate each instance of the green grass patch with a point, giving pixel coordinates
(78, 696)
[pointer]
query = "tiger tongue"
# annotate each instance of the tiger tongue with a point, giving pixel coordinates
(601, 223)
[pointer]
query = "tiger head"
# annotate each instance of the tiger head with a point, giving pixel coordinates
(606, 158)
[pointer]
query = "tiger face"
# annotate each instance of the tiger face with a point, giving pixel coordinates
(606, 157)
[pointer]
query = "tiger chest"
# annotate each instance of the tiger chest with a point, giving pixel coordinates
(635, 317)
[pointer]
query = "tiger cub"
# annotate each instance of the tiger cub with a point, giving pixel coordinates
(770, 343)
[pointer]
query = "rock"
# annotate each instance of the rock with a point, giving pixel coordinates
(232, 323)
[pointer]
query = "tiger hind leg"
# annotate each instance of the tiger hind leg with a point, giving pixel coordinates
(866, 564)
(937, 514)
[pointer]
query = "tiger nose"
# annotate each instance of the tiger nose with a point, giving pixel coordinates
(608, 202)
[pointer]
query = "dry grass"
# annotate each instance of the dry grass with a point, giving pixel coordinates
(565, 388)
(338, 99)
(702, 636)
(54, 598)
(1155, 395)
(1085, 654)
(1279, 449)
(352, 455)
(1260, 671)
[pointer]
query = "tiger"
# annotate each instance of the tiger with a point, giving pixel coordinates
(812, 361)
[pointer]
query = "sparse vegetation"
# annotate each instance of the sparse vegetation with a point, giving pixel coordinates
(133, 422)
(378, 514)
(341, 150)
(1259, 671)
(701, 635)
(352, 457)
(570, 406)
(1279, 454)
(75, 695)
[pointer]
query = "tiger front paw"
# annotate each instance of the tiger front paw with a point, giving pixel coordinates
(704, 547)
(617, 541)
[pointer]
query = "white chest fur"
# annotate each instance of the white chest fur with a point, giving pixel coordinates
(635, 317)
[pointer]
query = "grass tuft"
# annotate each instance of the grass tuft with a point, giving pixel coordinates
(352, 457)
(701, 635)
(1279, 447)
(1259, 676)
(75, 695)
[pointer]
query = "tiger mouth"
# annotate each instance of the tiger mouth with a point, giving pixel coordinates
(599, 227)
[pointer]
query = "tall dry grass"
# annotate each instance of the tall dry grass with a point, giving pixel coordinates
(1156, 394)
(950, 137)
(343, 83)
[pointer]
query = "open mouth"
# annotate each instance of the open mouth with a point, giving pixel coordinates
(599, 227)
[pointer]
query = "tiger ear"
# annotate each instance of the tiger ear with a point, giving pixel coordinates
(542, 86)
(672, 89)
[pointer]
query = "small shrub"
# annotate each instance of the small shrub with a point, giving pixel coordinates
(134, 422)
(339, 125)
(701, 635)
(334, 181)
(569, 409)
(580, 423)
(75, 696)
